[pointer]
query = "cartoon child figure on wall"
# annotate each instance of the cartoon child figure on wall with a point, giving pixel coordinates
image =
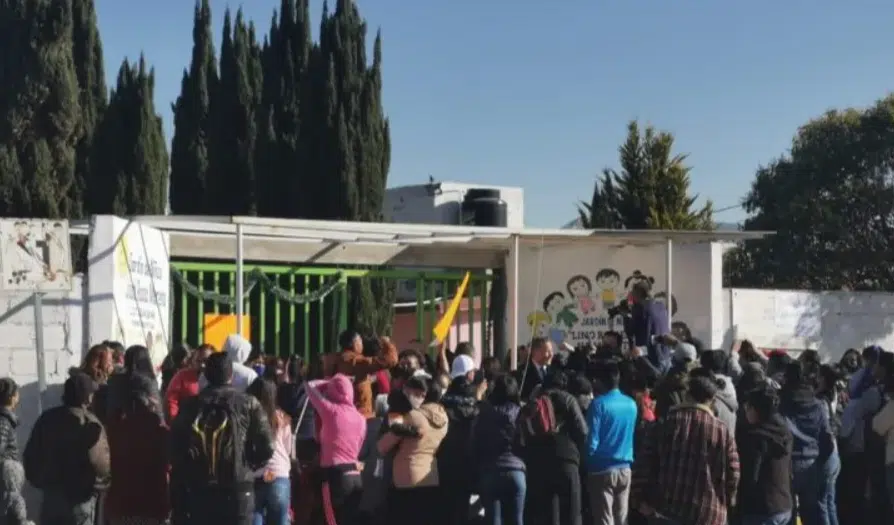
(555, 320)
(579, 289)
(607, 280)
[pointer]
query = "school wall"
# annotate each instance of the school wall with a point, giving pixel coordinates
(63, 329)
(601, 276)
(830, 322)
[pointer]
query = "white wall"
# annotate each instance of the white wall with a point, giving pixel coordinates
(696, 275)
(830, 322)
(63, 332)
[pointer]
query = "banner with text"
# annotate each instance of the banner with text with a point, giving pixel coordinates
(129, 283)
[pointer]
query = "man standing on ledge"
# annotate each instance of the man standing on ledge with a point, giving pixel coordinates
(649, 324)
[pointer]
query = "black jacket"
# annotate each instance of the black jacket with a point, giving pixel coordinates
(9, 443)
(493, 436)
(253, 428)
(528, 381)
(765, 456)
(455, 452)
(563, 446)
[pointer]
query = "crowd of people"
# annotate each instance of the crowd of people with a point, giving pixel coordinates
(667, 433)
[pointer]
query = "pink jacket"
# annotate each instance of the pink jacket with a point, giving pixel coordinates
(343, 427)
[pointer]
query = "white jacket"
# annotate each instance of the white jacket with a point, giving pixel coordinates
(237, 349)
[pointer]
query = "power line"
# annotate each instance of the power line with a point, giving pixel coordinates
(728, 208)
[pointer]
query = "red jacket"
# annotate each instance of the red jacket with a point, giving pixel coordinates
(140, 465)
(184, 385)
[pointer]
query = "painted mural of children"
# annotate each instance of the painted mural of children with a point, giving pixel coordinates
(607, 280)
(560, 310)
(540, 323)
(579, 289)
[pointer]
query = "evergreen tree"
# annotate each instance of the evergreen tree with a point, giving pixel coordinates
(233, 184)
(830, 200)
(350, 170)
(286, 132)
(190, 156)
(39, 101)
(130, 153)
(651, 191)
(88, 61)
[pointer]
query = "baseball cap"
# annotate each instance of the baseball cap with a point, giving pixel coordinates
(462, 365)
(685, 352)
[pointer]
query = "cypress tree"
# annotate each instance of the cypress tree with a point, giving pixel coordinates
(131, 159)
(90, 71)
(233, 183)
(282, 146)
(40, 107)
(190, 156)
(354, 153)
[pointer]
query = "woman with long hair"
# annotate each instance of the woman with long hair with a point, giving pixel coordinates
(272, 484)
(137, 362)
(98, 364)
(138, 440)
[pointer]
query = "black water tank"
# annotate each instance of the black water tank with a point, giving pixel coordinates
(483, 207)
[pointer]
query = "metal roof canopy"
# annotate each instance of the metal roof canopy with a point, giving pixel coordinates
(298, 241)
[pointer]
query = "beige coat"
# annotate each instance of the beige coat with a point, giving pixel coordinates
(414, 463)
(883, 425)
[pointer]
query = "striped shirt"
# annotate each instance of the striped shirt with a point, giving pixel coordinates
(688, 469)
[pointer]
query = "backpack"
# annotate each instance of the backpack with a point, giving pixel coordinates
(215, 449)
(537, 419)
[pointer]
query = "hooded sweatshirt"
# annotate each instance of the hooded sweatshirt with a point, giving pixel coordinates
(414, 464)
(237, 349)
(726, 404)
(806, 418)
(342, 428)
(765, 457)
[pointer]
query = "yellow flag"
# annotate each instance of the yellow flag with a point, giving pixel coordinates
(440, 330)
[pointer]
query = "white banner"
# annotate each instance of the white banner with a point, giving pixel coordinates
(129, 284)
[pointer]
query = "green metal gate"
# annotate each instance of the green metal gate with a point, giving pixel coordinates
(301, 310)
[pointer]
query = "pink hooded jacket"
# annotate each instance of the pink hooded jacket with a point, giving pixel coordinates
(343, 427)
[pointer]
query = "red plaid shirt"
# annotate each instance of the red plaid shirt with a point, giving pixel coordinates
(688, 469)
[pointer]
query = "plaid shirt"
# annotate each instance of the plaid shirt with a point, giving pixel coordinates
(688, 469)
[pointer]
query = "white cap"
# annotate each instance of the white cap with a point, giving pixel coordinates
(462, 365)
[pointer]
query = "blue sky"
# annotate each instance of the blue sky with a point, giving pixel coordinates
(538, 94)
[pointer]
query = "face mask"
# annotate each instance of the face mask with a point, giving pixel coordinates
(415, 401)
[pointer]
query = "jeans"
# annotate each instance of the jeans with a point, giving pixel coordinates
(831, 470)
(776, 519)
(810, 487)
(272, 501)
(503, 496)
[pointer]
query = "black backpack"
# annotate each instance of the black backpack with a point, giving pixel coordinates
(216, 445)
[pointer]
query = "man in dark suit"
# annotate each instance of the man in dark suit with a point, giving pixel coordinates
(531, 375)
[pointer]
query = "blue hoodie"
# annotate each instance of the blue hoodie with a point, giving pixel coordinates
(611, 420)
(807, 420)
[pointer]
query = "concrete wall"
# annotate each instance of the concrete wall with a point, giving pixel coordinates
(63, 329)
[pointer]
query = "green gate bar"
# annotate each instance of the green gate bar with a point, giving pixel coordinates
(318, 324)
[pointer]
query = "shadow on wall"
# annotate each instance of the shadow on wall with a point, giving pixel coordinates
(852, 320)
(28, 413)
(830, 322)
